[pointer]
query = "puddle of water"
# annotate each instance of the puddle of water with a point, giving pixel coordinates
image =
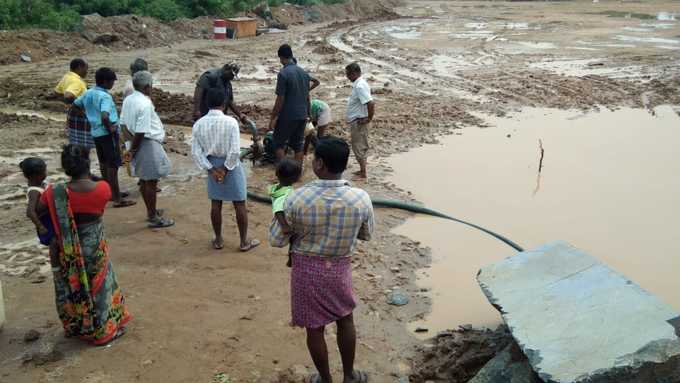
(472, 35)
(652, 40)
(402, 33)
(638, 29)
(475, 25)
(658, 26)
(516, 26)
(535, 45)
(608, 186)
(666, 16)
(586, 67)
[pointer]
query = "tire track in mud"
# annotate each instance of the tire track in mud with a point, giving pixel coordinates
(471, 91)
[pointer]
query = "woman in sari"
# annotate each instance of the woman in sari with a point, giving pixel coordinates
(89, 301)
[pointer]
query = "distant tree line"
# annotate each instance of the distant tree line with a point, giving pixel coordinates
(65, 14)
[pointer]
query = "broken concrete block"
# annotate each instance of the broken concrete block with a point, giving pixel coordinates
(577, 320)
(509, 366)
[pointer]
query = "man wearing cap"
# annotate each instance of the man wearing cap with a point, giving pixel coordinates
(292, 108)
(218, 78)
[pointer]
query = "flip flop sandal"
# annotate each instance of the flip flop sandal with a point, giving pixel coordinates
(159, 213)
(360, 376)
(161, 223)
(253, 243)
(124, 203)
(216, 245)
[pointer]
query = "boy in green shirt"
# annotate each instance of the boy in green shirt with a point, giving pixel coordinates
(288, 172)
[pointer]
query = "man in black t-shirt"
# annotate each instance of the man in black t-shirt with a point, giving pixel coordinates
(218, 78)
(292, 109)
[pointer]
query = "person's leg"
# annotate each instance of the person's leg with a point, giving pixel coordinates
(242, 222)
(281, 136)
(216, 219)
(359, 138)
(296, 139)
(316, 344)
(112, 179)
(347, 341)
(148, 190)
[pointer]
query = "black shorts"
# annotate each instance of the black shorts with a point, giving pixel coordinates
(291, 133)
(108, 150)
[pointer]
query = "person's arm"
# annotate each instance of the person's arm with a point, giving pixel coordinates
(198, 154)
(371, 111)
(69, 98)
(286, 229)
(198, 98)
(278, 106)
(277, 237)
(364, 93)
(107, 122)
(280, 98)
(78, 103)
(313, 83)
(32, 211)
(142, 125)
(236, 111)
(234, 155)
(136, 143)
(367, 226)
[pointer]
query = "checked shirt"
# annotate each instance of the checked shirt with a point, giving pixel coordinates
(327, 217)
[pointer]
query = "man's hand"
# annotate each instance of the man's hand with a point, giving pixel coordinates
(218, 174)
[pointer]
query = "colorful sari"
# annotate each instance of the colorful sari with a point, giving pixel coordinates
(89, 301)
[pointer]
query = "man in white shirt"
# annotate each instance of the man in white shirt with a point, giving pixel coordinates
(147, 156)
(216, 149)
(360, 111)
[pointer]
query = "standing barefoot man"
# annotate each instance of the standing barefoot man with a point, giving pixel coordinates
(328, 217)
(360, 111)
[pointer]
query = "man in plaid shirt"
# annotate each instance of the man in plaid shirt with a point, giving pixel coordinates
(328, 217)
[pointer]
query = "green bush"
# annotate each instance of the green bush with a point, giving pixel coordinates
(65, 14)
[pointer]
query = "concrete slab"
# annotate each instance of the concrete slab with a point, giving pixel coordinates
(509, 366)
(577, 320)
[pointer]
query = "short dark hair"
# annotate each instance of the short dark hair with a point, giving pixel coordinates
(334, 152)
(285, 51)
(215, 97)
(33, 166)
(353, 68)
(139, 65)
(77, 63)
(75, 160)
(288, 171)
(104, 75)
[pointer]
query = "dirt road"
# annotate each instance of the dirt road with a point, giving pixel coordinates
(434, 71)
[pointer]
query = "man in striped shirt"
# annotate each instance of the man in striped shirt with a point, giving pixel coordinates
(328, 217)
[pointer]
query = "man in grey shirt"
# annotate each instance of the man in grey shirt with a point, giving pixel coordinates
(292, 108)
(218, 78)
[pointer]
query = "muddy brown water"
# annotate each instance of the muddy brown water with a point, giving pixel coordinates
(609, 185)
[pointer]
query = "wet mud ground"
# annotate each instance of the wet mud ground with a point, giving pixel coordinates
(435, 70)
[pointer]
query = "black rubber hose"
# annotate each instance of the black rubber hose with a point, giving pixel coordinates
(379, 202)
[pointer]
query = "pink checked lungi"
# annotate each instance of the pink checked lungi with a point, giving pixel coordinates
(321, 290)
